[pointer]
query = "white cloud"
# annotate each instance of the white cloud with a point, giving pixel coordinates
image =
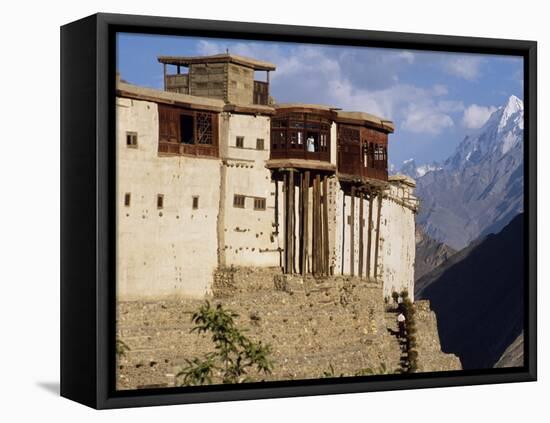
(408, 56)
(440, 90)
(312, 74)
(426, 119)
(475, 116)
(465, 67)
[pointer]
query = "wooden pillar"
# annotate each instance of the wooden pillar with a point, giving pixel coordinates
(179, 70)
(325, 227)
(369, 235)
(277, 229)
(361, 233)
(352, 235)
(317, 226)
(285, 219)
(377, 235)
(292, 223)
(300, 224)
(164, 69)
(305, 213)
(343, 232)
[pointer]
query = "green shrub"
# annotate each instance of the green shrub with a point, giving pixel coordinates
(234, 354)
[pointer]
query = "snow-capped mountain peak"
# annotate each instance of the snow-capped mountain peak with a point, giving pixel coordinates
(410, 168)
(513, 106)
(480, 187)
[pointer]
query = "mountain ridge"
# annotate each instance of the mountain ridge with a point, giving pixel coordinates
(479, 188)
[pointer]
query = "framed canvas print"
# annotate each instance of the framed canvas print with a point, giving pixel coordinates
(257, 211)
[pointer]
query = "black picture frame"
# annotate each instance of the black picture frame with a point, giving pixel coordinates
(88, 209)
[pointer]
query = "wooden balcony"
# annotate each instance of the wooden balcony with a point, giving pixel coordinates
(362, 153)
(300, 134)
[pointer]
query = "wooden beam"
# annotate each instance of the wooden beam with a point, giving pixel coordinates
(285, 219)
(361, 234)
(292, 225)
(325, 226)
(277, 228)
(377, 235)
(352, 235)
(344, 219)
(305, 199)
(369, 235)
(318, 230)
(301, 223)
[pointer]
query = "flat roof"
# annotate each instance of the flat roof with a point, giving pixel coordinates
(124, 89)
(217, 58)
(362, 117)
(304, 106)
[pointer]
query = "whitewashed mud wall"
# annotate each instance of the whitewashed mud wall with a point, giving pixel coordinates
(168, 252)
(247, 236)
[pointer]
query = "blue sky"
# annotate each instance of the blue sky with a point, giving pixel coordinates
(434, 98)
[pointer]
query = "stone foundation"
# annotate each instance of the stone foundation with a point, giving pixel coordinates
(336, 325)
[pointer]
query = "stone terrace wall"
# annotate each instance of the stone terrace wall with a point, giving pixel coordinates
(312, 326)
(430, 357)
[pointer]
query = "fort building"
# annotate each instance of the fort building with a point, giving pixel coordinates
(213, 174)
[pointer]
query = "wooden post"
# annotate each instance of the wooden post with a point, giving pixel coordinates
(369, 235)
(352, 235)
(318, 230)
(285, 219)
(343, 232)
(305, 212)
(164, 69)
(361, 230)
(292, 225)
(301, 223)
(377, 235)
(315, 234)
(277, 229)
(325, 226)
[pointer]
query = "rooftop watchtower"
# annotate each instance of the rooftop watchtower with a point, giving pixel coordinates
(226, 77)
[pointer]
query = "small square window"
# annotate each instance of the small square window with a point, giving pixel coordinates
(259, 203)
(259, 144)
(195, 202)
(239, 142)
(127, 199)
(238, 201)
(131, 139)
(160, 201)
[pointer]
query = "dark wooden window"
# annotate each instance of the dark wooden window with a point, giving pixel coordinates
(362, 151)
(239, 142)
(195, 202)
(187, 132)
(259, 203)
(160, 201)
(301, 136)
(260, 144)
(127, 198)
(131, 139)
(238, 201)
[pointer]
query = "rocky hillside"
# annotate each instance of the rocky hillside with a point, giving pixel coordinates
(479, 189)
(513, 355)
(316, 328)
(429, 253)
(477, 295)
